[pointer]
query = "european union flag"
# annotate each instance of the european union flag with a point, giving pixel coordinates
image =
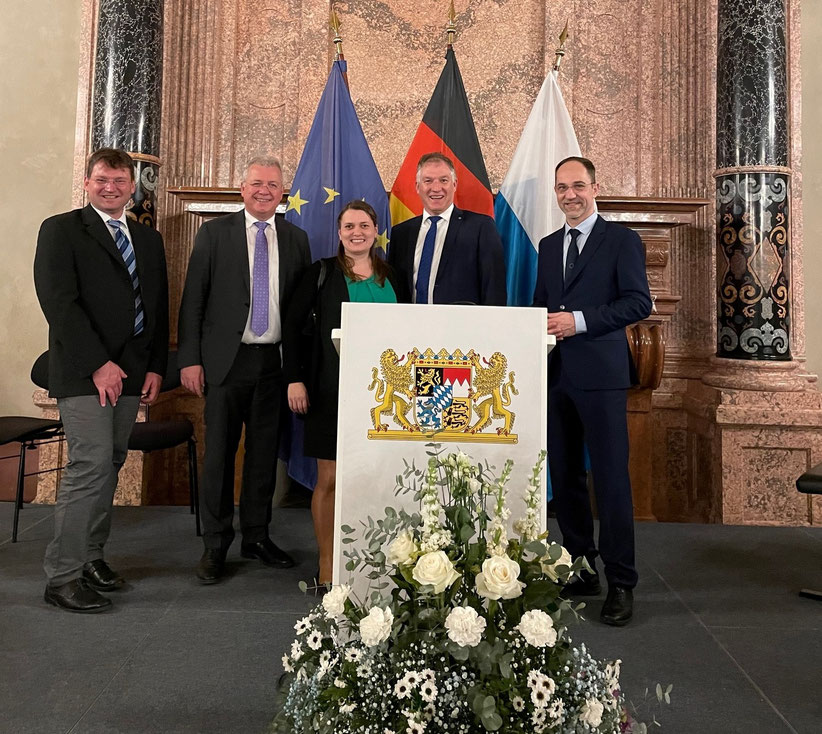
(336, 167)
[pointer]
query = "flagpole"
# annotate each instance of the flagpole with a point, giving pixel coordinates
(451, 28)
(560, 52)
(335, 24)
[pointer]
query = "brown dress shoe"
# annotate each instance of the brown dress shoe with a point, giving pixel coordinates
(100, 576)
(77, 596)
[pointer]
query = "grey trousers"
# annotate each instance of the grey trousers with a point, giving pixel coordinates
(97, 441)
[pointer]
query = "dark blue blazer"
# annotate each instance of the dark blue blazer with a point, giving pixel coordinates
(610, 286)
(472, 267)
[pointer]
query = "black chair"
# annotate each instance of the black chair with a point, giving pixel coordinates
(154, 435)
(811, 483)
(160, 435)
(30, 432)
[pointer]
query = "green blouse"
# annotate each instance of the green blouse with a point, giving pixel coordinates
(367, 291)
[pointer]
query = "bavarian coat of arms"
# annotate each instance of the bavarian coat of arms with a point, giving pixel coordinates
(444, 396)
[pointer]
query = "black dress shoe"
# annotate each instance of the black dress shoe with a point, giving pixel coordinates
(77, 596)
(211, 567)
(619, 606)
(586, 584)
(100, 577)
(268, 553)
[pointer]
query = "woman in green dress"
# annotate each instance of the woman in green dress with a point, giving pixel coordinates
(312, 366)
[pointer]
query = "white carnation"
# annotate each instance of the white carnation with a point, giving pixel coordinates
(402, 548)
(537, 628)
(376, 627)
(334, 601)
(465, 626)
(435, 569)
(591, 712)
(499, 578)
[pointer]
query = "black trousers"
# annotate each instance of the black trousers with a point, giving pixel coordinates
(251, 395)
(596, 419)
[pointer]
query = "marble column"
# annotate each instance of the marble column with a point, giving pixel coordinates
(127, 95)
(752, 182)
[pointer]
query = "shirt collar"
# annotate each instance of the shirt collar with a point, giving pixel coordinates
(586, 225)
(445, 216)
(107, 217)
(249, 220)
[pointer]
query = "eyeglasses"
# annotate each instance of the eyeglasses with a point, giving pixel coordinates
(578, 187)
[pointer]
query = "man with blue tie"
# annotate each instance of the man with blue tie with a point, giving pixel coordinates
(242, 272)
(447, 255)
(101, 282)
(591, 277)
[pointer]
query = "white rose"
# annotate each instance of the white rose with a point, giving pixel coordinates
(401, 548)
(435, 569)
(474, 485)
(465, 626)
(591, 712)
(498, 578)
(376, 627)
(550, 569)
(537, 628)
(334, 601)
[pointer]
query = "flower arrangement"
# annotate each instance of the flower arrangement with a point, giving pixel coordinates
(463, 628)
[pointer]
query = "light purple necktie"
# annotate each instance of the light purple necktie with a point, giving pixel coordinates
(259, 299)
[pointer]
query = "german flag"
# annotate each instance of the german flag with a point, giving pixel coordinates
(447, 127)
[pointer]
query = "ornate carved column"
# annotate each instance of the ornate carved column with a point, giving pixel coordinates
(127, 96)
(752, 182)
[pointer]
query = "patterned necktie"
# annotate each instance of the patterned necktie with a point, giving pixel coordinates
(573, 253)
(127, 251)
(426, 259)
(259, 299)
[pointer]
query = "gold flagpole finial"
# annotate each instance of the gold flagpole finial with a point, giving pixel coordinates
(451, 28)
(561, 50)
(335, 26)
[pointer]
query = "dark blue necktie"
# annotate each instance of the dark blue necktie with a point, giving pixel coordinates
(426, 259)
(573, 253)
(127, 251)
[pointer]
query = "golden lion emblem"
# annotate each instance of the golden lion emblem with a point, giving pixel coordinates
(398, 380)
(489, 381)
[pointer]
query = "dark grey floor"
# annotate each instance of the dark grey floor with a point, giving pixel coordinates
(717, 615)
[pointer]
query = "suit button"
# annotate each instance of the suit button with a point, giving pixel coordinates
(562, 307)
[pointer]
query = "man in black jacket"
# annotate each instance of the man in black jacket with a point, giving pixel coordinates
(242, 271)
(101, 281)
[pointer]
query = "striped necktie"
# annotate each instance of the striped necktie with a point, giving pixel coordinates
(127, 252)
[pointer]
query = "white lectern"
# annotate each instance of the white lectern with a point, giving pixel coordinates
(473, 378)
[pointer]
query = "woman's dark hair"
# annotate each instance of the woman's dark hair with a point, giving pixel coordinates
(377, 263)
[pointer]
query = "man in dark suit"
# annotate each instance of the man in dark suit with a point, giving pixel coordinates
(101, 281)
(447, 255)
(242, 271)
(591, 277)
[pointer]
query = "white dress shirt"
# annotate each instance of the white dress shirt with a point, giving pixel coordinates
(274, 331)
(442, 230)
(122, 219)
(584, 228)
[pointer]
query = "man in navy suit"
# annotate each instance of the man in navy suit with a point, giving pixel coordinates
(591, 277)
(447, 255)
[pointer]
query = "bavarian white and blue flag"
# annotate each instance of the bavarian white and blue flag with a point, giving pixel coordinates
(526, 209)
(336, 167)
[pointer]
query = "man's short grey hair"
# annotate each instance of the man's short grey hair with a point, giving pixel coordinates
(436, 158)
(264, 161)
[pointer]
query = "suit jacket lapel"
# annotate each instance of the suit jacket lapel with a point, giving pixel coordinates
(592, 244)
(555, 270)
(284, 256)
(100, 232)
(409, 250)
(239, 242)
(450, 244)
